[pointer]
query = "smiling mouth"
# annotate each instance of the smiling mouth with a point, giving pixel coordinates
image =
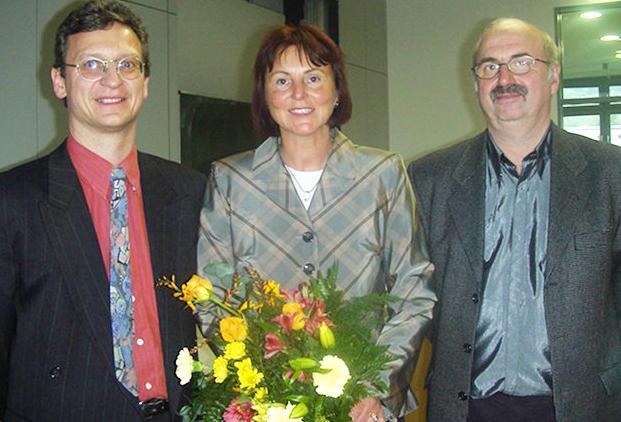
(301, 110)
(114, 100)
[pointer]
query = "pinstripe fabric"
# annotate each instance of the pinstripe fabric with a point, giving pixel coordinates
(361, 218)
(55, 343)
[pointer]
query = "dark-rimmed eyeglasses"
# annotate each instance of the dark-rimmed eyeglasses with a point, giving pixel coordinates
(93, 69)
(488, 69)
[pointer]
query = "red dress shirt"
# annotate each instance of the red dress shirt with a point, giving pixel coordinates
(94, 175)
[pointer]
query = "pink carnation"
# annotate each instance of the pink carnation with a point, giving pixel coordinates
(238, 412)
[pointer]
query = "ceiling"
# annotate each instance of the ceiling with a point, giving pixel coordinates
(583, 53)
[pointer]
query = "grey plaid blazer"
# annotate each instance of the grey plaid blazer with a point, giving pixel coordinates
(362, 217)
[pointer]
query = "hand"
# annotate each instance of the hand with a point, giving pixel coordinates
(367, 410)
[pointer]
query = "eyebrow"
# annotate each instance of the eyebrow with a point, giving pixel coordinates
(494, 59)
(314, 69)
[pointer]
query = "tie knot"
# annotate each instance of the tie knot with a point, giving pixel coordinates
(117, 174)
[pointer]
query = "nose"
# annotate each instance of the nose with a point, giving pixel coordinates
(505, 77)
(299, 90)
(111, 77)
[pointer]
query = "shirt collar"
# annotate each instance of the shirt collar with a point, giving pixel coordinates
(96, 170)
(536, 159)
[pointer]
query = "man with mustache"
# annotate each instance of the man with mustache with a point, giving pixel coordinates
(522, 224)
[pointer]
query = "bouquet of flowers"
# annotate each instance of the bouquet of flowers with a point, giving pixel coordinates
(281, 355)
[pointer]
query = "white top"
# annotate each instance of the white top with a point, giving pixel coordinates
(305, 183)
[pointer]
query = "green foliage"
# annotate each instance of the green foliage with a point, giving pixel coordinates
(355, 324)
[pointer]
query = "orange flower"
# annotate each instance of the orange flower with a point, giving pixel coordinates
(233, 329)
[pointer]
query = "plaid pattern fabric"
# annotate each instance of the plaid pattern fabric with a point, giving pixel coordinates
(121, 306)
(362, 218)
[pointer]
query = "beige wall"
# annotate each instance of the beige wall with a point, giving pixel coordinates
(362, 33)
(217, 41)
(32, 120)
(430, 43)
(407, 64)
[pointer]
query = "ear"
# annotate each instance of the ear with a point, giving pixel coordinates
(145, 89)
(554, 78)
(58, 83)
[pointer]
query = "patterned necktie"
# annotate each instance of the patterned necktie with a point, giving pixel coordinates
(121, 306)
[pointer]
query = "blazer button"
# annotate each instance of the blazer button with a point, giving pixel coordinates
(308, 268)
(55, 372)
(308, 236)
(475, 298)
(462, 396)
(467, 348)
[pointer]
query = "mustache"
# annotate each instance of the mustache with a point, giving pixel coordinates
(508, 89)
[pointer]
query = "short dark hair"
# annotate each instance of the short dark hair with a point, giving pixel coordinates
(319, 49)
(96, 15)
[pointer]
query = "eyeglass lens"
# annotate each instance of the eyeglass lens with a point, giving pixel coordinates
(517, 65)
(93, 69)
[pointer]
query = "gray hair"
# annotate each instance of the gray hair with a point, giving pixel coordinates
(550, 49)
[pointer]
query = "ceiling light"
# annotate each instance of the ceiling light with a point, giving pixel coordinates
(610, 37)
(590, 15)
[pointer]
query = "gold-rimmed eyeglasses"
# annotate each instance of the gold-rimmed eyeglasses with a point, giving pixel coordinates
(520, 65)
(93, 69)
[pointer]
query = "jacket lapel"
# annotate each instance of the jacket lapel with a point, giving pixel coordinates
(72, 235)
(270, 176)
(160, 205)
(568, 195)
(467, 203)
(337, 177)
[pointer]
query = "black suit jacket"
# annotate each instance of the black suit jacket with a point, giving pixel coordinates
(582, 286)
(56, 359)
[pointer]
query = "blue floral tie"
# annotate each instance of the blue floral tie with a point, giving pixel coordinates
(121, 305)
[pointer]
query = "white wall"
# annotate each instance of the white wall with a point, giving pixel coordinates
(430, 44)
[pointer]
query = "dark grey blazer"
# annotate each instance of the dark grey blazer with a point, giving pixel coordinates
(582, 284)
(55, 342)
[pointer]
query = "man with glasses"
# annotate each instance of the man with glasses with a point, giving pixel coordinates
(522, 224)
(84, 234)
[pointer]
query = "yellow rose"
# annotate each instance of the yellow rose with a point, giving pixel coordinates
(198, 288)
(233, 329)
(235, 350)
(220, 369)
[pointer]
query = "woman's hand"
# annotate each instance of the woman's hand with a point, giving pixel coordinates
(367, 410)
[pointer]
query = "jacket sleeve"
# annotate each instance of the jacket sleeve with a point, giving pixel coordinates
(8, 283)
(215, 243)
(409, 279)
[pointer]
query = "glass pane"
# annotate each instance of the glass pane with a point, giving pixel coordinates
(580, 92)
(615, 91)
(583, 125)
(615, 129)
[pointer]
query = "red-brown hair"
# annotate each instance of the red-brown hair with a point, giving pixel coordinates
(320, 50)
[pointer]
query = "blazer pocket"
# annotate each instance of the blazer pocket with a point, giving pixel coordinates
(611, 378)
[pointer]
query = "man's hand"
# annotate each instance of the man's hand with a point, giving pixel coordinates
(367, 410)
